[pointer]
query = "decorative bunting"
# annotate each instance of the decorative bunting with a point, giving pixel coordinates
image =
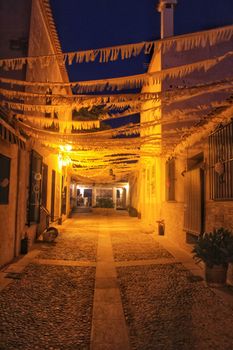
(134, 81)
(104, 55)
(63, 125)
(90, 100)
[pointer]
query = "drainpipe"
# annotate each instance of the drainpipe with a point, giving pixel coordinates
(166, 8)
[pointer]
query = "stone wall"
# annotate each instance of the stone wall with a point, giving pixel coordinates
(41, 42)
(27, 21)
(172, 212)
(219, 214)
(8, 211)
(14, 32)
(216, 213)
(22, 196)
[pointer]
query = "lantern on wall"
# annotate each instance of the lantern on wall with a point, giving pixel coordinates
(219, 168)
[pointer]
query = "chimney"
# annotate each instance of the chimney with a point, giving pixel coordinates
(166, 7)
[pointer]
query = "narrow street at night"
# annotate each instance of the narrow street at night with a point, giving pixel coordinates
(105, 283)
(116, 175)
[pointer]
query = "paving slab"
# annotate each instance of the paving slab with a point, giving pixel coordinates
(109, 329)
(106, 284)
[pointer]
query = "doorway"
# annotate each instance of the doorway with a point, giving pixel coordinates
(194, 202)
(121, 198)
(87, 196)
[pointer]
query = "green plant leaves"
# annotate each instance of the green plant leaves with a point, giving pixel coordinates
(214, 248)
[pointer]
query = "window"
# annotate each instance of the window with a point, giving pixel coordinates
(35, 187)
(170, 179)
(5, 163)
(221, 163)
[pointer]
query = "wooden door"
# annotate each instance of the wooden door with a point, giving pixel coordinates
(194, 201)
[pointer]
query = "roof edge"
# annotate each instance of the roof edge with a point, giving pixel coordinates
(48, 16)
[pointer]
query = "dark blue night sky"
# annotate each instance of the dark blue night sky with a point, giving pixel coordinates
(88, 24)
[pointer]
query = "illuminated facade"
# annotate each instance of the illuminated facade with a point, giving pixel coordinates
(177, 171)
(37, 176)
(193, 177)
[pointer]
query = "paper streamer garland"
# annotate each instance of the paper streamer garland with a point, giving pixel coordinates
(178, 43)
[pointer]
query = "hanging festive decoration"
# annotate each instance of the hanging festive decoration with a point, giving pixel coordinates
(132, 102)
(63, 125)
(90, 100)
(103, 55)
(201, 132)
(134, 81)
(165, 128)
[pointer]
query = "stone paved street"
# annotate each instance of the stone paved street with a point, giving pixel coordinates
(106, 284)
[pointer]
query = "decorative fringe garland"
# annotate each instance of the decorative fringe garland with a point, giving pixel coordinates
(63, 125)
(102, 142)
(179, 43)
(90, 100)
(105, 161)
(128, 130)
(79, 99)
(134, 81)
(173, 116)
(62, 108)
(201, 132)
(152, 78)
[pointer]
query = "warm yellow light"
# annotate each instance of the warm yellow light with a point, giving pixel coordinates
(67, 148)
(66, 161)
(60, 161)
(63, 161)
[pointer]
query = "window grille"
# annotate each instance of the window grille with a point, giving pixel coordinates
(221, 163)
(35, 188)
(5, 163)
(170, 179)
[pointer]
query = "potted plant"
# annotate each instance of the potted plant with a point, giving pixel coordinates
(215, 249)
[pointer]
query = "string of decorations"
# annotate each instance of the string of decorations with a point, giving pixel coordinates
(126, 82)
(150, 138)
(103, 55)
(133, 105)
(90, 100)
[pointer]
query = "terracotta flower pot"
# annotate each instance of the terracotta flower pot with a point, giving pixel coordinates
(216, 275)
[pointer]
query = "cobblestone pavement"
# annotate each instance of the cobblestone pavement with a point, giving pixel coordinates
(49, 306)
(165, 306)
(73, 243)
(166, 310)
(134, 245)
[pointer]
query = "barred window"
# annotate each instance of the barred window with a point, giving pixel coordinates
(35, 187)
(5, 163)
(170, 179)
(221, 163)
